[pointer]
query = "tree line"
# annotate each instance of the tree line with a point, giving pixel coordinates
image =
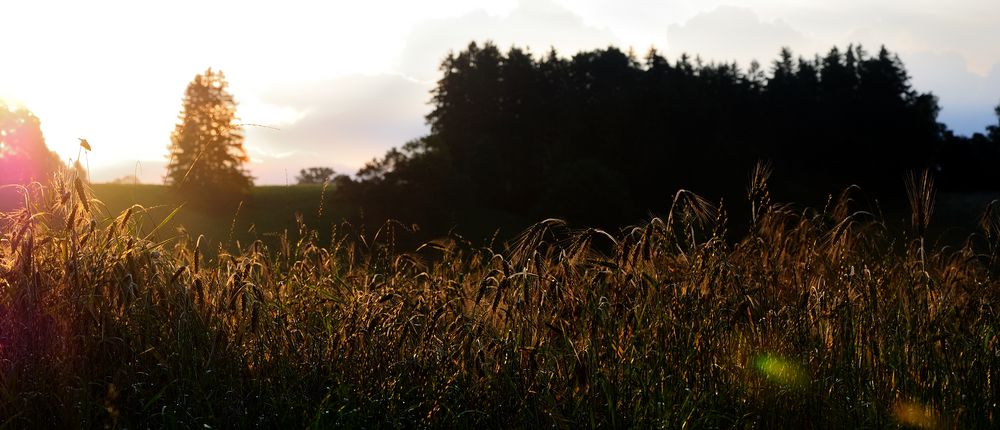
(600, 138)
(605, 138)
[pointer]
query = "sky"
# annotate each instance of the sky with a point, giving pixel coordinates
(337, 83)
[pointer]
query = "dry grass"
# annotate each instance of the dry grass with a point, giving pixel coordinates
(817, 318)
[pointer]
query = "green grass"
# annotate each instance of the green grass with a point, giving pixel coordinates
(267, 211)
(814, 318)
(273, 209)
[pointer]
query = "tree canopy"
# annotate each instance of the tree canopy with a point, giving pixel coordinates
(206, 152)
(994, 130)
(971, 163)
(606, 137)
(24, 157)
(315, 175)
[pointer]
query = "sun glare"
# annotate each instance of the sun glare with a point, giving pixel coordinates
(916, 415)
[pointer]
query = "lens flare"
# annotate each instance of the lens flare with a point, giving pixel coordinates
(916, 415)
(781, 371)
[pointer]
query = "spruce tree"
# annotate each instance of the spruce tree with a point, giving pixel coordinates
(206, 152)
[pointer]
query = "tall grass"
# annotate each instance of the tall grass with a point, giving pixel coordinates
(816, 318)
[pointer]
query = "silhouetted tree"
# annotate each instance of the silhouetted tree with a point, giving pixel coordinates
(970, 163)
(23, 155)
(206, 152)
(412, 184)
(129, 179)
(314, 175)
(604, 138)
(993, 131)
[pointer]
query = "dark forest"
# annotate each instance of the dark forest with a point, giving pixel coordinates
(606, 138)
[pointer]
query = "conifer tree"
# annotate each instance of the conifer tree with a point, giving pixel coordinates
(206, 152)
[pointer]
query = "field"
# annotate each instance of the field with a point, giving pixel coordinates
(827, 317)
(271, 210)
(266, 213)
(268, 210)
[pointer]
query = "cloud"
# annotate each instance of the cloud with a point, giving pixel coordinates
(948, 50)
(967, 98)
(538, 25)
(965, 27)
(730, 33)
(945, 54)
(343, 122)
(338, 122)
(973, 40)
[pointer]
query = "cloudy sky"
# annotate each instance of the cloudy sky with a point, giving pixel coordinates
(342, 81)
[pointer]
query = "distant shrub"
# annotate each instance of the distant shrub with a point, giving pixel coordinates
(127, 179)
(315, 175)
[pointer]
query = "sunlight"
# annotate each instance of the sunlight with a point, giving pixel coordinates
(255, 111)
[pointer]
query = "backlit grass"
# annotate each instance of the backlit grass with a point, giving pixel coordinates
(816, 318)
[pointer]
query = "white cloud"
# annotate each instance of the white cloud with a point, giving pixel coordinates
(344, 122)
(734, 33)
(942, 54)
(967, 98)
(538, 25)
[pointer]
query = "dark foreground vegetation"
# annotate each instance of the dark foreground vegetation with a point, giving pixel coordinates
(814, 318)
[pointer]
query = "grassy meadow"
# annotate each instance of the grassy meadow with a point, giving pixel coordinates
(272, 209)
(266, 212)
(824, 317)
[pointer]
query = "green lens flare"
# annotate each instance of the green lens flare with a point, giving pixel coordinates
(780, 370)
